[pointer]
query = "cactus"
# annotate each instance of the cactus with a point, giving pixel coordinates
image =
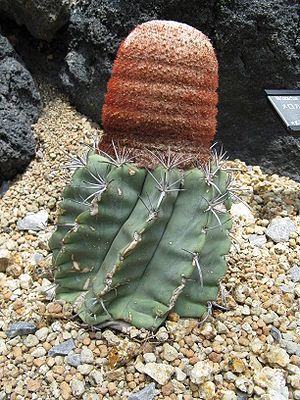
(143, 232)
(134, 244)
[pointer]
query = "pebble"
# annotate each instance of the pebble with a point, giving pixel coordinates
(279, 229)
(73, 359)
(201, 372)
(277, 357)
(84, 369)
(77, 387)
(162, 334)
(244, 385)
(291, 347)
(62, 349)
(34, 221)
(161, 373)
(257, 240)
(20, 328)
(39, 352)
(295, 273)
(97, 376)
(276, 334)
(4, 259)
(42, 334)
(87, 356)
(149, 357)
(229, 395)
(30, 341)
(145, 394)
(112, 339)
(169, 353)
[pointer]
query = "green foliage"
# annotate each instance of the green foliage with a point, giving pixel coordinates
(133, 244)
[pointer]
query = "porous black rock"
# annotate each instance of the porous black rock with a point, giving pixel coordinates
(20, 106)
(258, 47)
(42, 18)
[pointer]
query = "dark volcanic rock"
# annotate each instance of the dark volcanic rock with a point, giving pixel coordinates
(258, 46)
(42, 18)
(20, 106)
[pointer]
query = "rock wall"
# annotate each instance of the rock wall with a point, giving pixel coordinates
(20, 106)
(257, 44)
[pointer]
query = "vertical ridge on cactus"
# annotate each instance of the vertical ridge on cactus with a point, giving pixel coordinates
(162, 92)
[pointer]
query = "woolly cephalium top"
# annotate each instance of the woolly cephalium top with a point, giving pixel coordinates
(162, 93)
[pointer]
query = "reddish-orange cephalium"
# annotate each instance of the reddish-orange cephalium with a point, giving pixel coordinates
(162, 92)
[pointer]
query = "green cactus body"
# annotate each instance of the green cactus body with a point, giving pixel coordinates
(133, 244)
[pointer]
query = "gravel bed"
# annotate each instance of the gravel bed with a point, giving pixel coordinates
(251, 351)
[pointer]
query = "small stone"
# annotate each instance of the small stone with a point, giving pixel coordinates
(112, 388)
(145, 394)
(4, 259)
(221, 328)
(244, 385)
(54, 308)
(201, 372)
(294, 381)
(111, 338)
(178, 386)
(33, 222)
(295, 360)
(149, 357)
(20, 328)
(169, 353)
(229, 395)
(279, 229)
(208, 390)
(256, 346)
(87, 356)
(65, 390)
(296, 394)
(62, 349)
(162, 334)
(270, 379)
(73, 359)
(275, 333)
(25, 281)
(180, 375)
(33, 385)
(240, 210)
(77, 387)
(167, 389)
(3, 348)
(257, 240)
(277, 356)
(84, 369)
(42, 334)
(161, 373)
(39, 352)
(30, 340)
(295, 273)
(97, 377)
(238, 365)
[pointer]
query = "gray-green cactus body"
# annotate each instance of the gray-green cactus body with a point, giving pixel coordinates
(147, 243)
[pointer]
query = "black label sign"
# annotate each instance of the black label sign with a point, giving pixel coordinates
(287, 105)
